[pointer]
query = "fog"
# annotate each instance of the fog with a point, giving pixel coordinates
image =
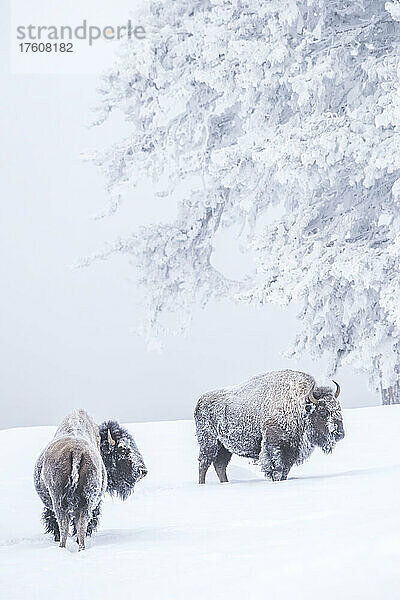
(66, 338)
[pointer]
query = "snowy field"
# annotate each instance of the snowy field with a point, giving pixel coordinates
(331, 531)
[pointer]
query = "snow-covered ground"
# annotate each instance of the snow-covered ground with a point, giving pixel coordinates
(331, 531)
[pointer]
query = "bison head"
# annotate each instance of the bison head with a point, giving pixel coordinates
(325, 415)
(122, 459)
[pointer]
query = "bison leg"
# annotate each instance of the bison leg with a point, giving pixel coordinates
(204, 464)
(221, 462)
(92, 525)
(208, 452)
(271, 461)
(48, 515)
(285, 472)
(81, 528)
(63, 524)
(50, 523)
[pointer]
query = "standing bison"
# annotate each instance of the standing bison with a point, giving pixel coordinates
(71, 479)
(80, 464)
(276, 419)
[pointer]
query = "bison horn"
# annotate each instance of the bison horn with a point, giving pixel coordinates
(311, 395)
(337, 388)
(110, 440)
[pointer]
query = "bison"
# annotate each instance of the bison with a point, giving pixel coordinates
(276, 419)
(122, 459)
(71, 479)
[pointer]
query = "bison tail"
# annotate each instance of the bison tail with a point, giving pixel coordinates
(76, 459)
(69, 499)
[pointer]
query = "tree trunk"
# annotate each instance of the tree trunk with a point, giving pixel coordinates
(391, 395)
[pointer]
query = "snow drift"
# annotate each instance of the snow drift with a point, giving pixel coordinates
(330, 531)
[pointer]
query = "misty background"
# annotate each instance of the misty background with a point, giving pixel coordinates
(66, 336)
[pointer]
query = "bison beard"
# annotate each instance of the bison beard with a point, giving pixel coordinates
(122, 459)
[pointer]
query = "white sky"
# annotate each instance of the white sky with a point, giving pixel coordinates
(65, 336)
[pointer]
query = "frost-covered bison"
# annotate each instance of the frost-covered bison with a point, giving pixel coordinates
(122, 459)
(276, 419)
(70, 478)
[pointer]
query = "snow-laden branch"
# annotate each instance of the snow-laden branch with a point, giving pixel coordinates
(253, 103)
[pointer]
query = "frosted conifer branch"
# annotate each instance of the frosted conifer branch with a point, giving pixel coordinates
(251, 104)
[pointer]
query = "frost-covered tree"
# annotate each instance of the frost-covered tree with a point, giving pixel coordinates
(247, 104)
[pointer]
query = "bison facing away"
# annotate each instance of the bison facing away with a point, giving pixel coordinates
(71, 479)
(122, 459)
(276, 419)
